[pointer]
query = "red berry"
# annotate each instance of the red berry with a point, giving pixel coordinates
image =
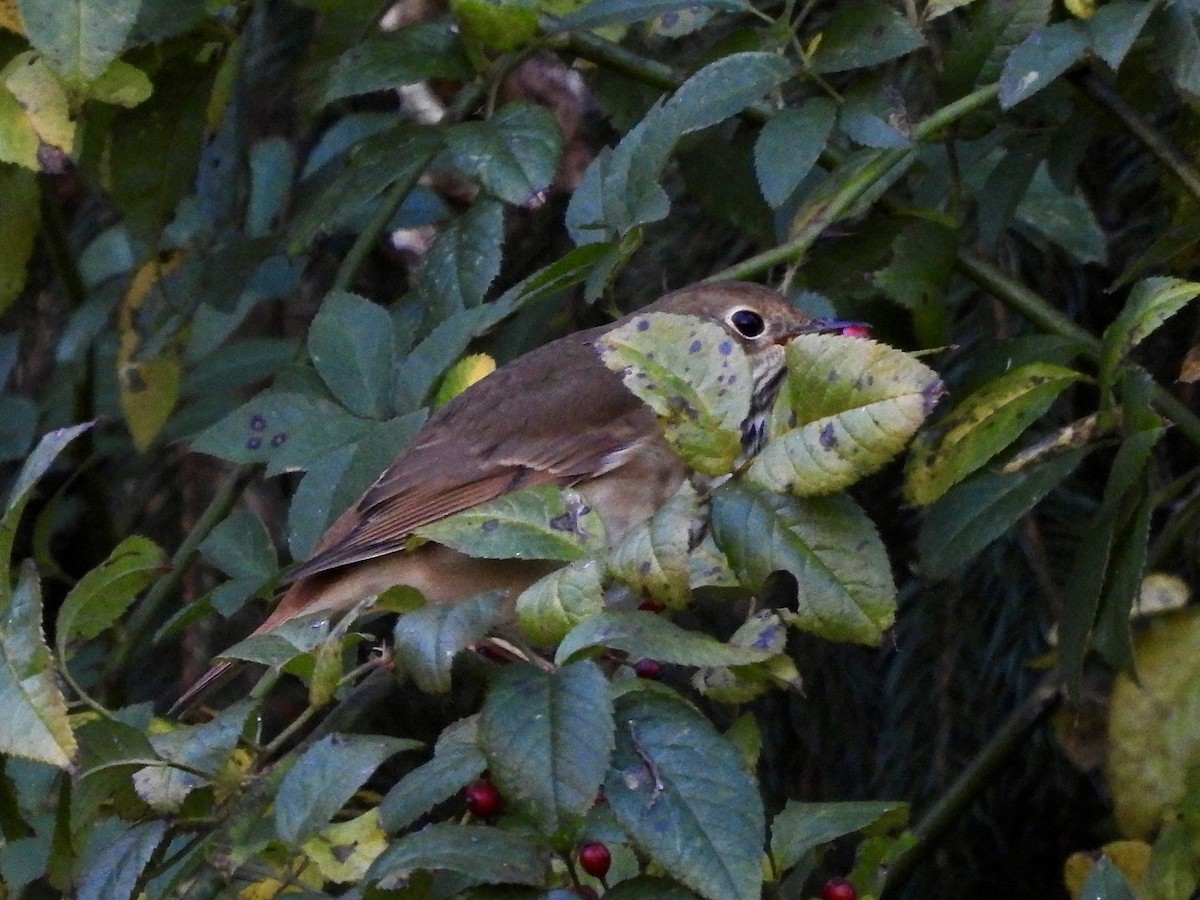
(652, 606)
(595, 859)
(838, 889)
(483, 799)
(857, 331)
(650, 669)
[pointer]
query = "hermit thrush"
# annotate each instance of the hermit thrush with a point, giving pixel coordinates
(554, 416)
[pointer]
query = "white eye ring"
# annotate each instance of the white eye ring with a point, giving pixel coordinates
(747, 323)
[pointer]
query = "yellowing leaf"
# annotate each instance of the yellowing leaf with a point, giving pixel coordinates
(149, 388)
(344, 851)
(1081, 9)
(462, 375)
(42, 98)
(10, 17)
(1131, 858)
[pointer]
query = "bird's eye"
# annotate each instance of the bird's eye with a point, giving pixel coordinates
(748, 323)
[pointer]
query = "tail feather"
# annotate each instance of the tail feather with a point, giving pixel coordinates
(209, 681)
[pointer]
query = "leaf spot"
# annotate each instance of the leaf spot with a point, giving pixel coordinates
(490, 524)
(695, 347)
(279, 439)
(828, 437)
(254, 443)
(258, 423)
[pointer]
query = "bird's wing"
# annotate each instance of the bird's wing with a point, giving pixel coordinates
(522, 426)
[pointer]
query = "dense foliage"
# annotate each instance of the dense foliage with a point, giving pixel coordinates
(249, 245)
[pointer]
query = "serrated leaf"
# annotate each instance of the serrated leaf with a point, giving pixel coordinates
(923, 259)
(652, 558)
(692, 374)
(724, 88)
(241, 547)
(101, 596)
(1151, 302)
(390, 60)
(120, 863)
(973, 514)
(31, 705)
(981, 426)
(863, 35)
(548, 738)
(544, 522)
(79, 37)
(325, 777)
(464, 260)
(283, 643)
(828, 544)
(646, 635)
(801, 827)
(681, 792)
(427, 640)
(1039, 59)
(555, 603)
(456, 761)
(514, 154)
(789, 145)
(352, 346)
(849, 405)
(22, 213)
(478, 853)
(1063, 217)
(1114, 28)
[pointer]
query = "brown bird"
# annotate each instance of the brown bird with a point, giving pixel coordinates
(556, 415)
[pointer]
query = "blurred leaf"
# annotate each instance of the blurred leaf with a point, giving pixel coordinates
(18, 139)
(44, 104)
(19, 196)
(18, 427)
(936, 8)
(478, 853)
(1151, 302)
(121, 863)
(724, 88)
(652, 557)
(973, 514)
(544, 522)
(681, 792)
(241, 547)
(1105, 882)
(1114, 28)
(31, 704)
(548, 738)
(1062, 217)
(827, 543)
(351, 344)
(1177, 44)
(456, 761)
(392, 59)
(849, 405)
(101, 596)
(982, 425)
(79, 37)
(863, 35)
(694, 376)
(325, 777)
(148, 379)
(801, 827)
(427, 640)
(462, 375)
(122, 85)
(502, 27)
(514, 154)
(1111, 636)
(923, 259)
(602, 13)
(555, 603)
(646, 635)
(788, 146)
(1039, 59)
(464, 260)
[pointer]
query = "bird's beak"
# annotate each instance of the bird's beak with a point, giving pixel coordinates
(828, 326)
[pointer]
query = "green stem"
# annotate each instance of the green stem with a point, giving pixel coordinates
(977, 777)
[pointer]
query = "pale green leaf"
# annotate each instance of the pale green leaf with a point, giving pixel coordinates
(788, 146)
(724, 88)
(646, 635)
(863, 35)
(553, 605)
(801, 827)
(79, 37)
(1151, 302)
(652, 558)
(1039, 59)
(514, 154)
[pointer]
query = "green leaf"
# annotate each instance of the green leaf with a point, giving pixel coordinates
(32, 706)
(827, 543)
(1151, 302)
(548, 738)
(652, 558)
(122, 85)
(18, 139)
(241, 547)
(120, 862)
(1062, 217)
(766, 631)
(603, 13)
(325, 777)
(1111, 635)
(456, 761)
(923, 259)
(555, 603)
(101, 596)
(1177, 44)
(646, 635)
(681, 792)
(79, 37)
(789, 145)
(481, 855)
(19, 196)
(391, 60)
(694, 376)
(514, 154)
(724, 88)
(427, 640)
(1039, 59)
(1114, 28)
(283, 643)
(863, 35)
(351, 344)
(341, 192)
(973, 514)
(544, 522)
(936, 8)
(464, 260)
(801, 827)
(44, 101)
(849, 406)
(502, 27)
(981, 426)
